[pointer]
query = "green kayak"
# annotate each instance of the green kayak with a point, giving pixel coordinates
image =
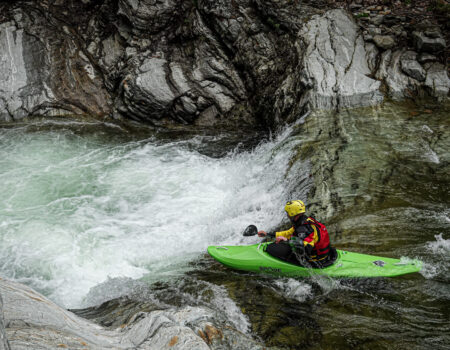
(254, 258)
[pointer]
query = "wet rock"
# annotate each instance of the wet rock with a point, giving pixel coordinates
(433, 32)
(33, 322)
(112, 51)
(411, 67)
(437, 80)
(210, 333)
(335, 67)
(374, 31)
(428, 44)
(399, 85)
(426, 57)
(385, 42)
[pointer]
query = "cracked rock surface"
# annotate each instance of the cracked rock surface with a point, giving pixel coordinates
(335, 65)
(204, 62)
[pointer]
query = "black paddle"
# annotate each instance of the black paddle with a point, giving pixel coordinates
(251, 230)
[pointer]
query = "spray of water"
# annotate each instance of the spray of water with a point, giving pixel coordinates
(77, 210)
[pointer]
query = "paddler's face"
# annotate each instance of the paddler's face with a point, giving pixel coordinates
(294, 218)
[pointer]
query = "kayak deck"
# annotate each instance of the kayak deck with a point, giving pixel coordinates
(254, 258)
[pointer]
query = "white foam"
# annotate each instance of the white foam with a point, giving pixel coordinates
(77, 211)
(427, 129)
(440, 246)
(224, 303)
(441, 249)
(295, 289)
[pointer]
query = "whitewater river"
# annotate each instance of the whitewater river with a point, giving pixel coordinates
(92, 211)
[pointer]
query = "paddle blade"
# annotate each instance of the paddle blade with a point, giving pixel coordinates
(250, 231)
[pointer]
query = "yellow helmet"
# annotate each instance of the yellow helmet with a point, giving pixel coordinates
(293, 208)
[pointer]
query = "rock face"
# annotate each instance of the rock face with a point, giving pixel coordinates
(202, 62)
(405, 77)
(44, 72)
(335, 66)
(28, 320)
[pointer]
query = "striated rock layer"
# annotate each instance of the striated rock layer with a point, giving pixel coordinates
(204, 62)
(28, 320)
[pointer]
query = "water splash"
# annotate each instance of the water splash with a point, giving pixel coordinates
(439, 264)
(78, 209)
(440, 246)
(294, 289)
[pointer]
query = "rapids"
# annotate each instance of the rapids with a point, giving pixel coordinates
(94, 211)
(80, 206)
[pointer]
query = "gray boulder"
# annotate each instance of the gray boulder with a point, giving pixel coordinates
(437, 80)
(428, 44)
(385, 42)
(411, 67)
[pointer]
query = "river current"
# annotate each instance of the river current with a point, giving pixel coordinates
(91, 211)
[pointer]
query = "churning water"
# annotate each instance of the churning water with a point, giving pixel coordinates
(79, 207)
(94, 211)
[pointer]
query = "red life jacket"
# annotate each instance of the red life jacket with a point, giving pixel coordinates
(322, 247)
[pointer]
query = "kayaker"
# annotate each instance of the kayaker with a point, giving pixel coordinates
(310, 239)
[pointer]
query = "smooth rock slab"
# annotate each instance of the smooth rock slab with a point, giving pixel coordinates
(33, 322)
(335, 67)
